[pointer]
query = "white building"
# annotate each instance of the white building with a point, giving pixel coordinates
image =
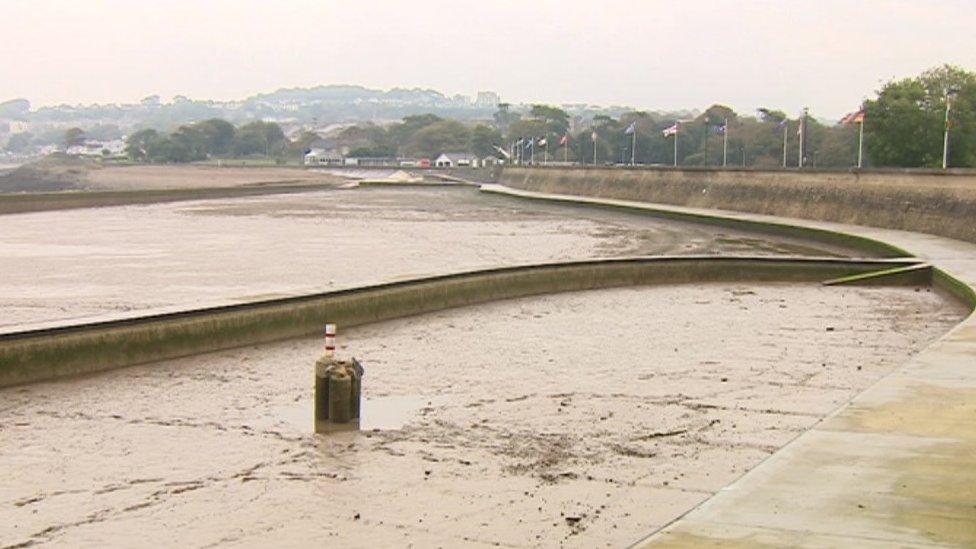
(17, 126)
(322, 157)
(456, 160)
(92, 147)
(487, 99)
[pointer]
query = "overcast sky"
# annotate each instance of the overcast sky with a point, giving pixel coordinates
(650, 54)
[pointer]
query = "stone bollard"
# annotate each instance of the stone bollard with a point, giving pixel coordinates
(338, 393)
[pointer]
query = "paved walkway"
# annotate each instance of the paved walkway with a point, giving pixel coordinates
(894, 467)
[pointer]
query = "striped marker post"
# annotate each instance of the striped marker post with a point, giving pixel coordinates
(330, 333)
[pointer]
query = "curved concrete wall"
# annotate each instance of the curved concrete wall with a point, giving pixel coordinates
(66, 200)
(50, 353)
(940, 203)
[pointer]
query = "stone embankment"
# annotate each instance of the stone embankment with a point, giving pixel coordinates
(927, 201)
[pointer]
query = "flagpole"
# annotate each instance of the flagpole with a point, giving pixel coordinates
(532, 154)
(675, 144)
(633, 147)
(786, 136)
(799, 151)
(545, 153)
(566, 152)
(725, 143)
(594, 149)
(860, 145)
(803, 131)
(949, 96)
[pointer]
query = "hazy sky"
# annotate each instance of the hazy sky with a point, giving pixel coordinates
(826, 54)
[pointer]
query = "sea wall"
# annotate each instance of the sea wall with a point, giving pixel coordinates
(39, 202)
(50, 353)
(927, 201)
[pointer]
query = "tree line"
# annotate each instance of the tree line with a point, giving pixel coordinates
(903, 126)
(205, 139)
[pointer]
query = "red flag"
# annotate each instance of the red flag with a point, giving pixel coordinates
(853, 118)
(564, 140)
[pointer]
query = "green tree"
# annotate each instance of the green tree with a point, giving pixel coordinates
(556, 120)
(139, 145)
(442, 136)
(368, 140)
(249, 143)
(258, 137)
(402, 133)
(73, 137)
(19, 142)
(189, 144)
(170, 150)
(904, 125)
(218, 135)
(504, 117)
(483, 140)
(771, 115)
(527, 127)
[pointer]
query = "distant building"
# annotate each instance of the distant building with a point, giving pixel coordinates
(372, 162)
(17, 126)
(91, 147)
(323, 157)
(456, 160)
(487, 100)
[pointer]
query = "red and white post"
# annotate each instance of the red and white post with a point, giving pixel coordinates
(330, 334)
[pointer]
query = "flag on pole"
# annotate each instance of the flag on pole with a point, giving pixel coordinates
(502, 151)
(564, 140)
(631, 128)
(543, 142)
(594, 136)
(719, 129)
(529, 142)
(853, 118)
(671, 130)
(783, 123)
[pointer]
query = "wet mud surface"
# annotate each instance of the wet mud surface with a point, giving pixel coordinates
(98, 263)
(585, 419)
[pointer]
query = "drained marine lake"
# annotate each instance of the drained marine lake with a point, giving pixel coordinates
(580, 419)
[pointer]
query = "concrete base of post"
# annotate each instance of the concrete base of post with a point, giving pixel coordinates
(338, 394)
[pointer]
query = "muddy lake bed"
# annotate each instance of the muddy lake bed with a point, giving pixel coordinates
(578, 419)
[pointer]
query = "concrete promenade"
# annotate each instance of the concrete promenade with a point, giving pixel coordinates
(896, 466)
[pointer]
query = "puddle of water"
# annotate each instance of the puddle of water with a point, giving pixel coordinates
(392, 412)
(379, 413)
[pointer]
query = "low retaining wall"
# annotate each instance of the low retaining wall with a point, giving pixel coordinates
(66, 200)
(50, 353)
(934, 202)
(853, 243)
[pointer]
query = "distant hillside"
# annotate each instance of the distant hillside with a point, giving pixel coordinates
(319, 104)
